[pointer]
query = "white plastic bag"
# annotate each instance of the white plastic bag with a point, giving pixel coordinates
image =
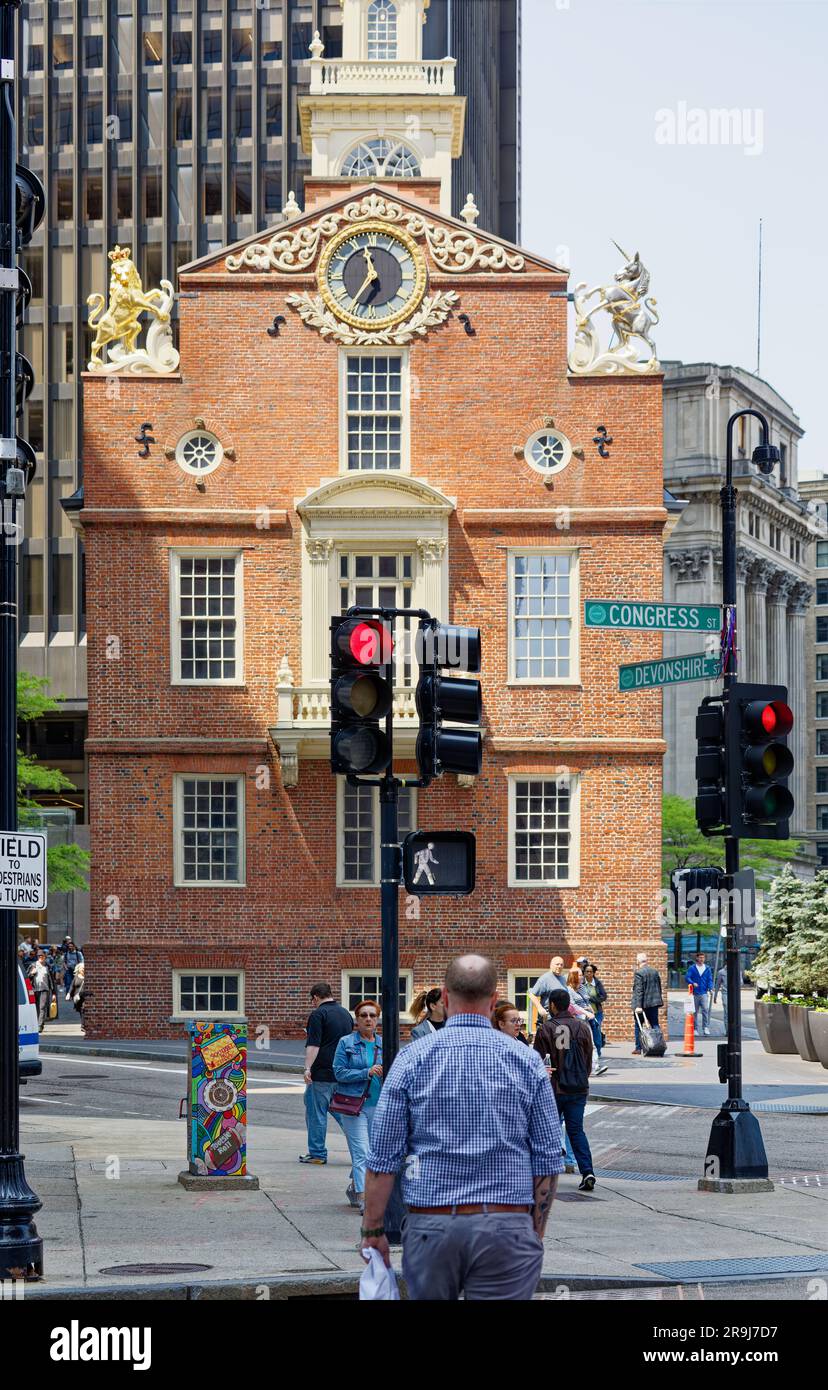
(377, 1281)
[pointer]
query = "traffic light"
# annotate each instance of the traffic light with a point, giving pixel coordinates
(453, 698)
(30, 206)
(710, 767)
(361, 694)
(439, 862)
(759, 720)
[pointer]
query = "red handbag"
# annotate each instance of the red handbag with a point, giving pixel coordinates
(348, 1105)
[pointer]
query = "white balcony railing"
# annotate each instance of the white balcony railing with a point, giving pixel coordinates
(364, 79)
(309, 707)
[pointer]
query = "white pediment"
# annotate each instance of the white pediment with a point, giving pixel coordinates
(382, 495)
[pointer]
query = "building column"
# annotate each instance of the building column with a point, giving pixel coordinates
(316, 615)
(431, 553)
(801, 597)
(756, 636)
(779, 592)
(745, 560)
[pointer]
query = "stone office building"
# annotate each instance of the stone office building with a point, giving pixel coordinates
(411, 431)
(774, 587)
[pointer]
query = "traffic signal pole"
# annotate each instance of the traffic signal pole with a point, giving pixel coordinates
(736, 1158)
(21, 1248)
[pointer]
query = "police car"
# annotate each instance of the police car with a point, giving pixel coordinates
(28, 1034)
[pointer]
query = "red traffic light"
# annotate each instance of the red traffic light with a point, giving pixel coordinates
(366, 641)
(768, 719)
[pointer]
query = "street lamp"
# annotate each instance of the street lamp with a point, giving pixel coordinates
(736, 1155)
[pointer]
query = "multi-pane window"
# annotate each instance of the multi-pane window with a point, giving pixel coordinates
(822, 743)
(359, 838)
(822, 853)
(209, 826)
(822, 781)
(822, 591)
(382, 30)
(381, 581)
(207, 595)
(541, 829)
(822, 667)
(206, 996)
(381, 159)
(822, 629)
(822, 704)
(357, 985)
(520, 983)
(374, 411)
(541, 617)
(822, 555)
(822, 818)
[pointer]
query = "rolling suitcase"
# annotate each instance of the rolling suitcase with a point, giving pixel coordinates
(653, 1042)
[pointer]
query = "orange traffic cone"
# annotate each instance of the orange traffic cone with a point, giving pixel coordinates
(690, 1026)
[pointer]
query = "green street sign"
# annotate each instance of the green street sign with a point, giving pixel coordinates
(653, 617)
(642, 675)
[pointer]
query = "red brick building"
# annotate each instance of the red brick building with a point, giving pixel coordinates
(293, 472)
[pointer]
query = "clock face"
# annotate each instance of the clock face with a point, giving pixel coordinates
(372, 276)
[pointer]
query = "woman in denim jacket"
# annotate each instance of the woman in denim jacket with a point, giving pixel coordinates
(357, 1064)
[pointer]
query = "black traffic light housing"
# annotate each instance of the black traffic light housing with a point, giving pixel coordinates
(455, 698)
(759, 761)
(361, 694)
(710, 766)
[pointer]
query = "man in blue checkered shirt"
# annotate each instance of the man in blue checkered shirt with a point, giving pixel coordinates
(470, 1114)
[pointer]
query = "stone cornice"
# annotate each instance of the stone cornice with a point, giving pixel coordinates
(184, 516)
(197, 747)
(577, 745)
(562, 518)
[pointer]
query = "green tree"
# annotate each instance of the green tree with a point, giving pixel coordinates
(68, 865)
(683, 846)
(805, 967)
(784, 909)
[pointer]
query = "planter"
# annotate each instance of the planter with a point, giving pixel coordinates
(799, 1019)
(773, 1026)
(818, 1023)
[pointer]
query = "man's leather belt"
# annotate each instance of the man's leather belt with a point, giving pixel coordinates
(469, 1209)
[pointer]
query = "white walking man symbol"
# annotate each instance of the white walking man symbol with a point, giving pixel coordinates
(423, 858)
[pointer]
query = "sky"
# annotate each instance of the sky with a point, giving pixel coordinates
(619, 143)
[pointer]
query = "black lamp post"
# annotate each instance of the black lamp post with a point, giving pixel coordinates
(21, 1248)
(735, 1150)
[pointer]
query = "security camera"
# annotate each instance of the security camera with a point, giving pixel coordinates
(766, 457)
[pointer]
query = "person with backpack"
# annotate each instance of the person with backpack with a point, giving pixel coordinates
(567, 1041)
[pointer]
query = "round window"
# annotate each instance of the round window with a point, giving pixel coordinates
(548, 451)
(199, 452)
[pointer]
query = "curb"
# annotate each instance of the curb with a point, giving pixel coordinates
(140, 1055)
(281, 1288)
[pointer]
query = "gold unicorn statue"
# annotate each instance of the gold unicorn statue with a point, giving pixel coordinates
(127, 301)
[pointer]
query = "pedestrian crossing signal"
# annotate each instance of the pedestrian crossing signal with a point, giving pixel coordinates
(440, 861)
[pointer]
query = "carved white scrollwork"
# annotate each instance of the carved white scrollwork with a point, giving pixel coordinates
(453, 251)
(312, 310)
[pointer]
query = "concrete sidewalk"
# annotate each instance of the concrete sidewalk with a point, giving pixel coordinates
(112, 1204)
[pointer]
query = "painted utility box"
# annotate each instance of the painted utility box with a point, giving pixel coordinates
(217, 1099)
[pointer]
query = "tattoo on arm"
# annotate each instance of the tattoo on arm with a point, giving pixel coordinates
(545, 1189)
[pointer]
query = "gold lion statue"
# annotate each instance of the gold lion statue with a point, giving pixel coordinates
(127, 300)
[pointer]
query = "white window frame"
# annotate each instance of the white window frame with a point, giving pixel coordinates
(207, 553)
(397, 548)
(180, 1014)
(179, 881)
(574, 678)
(574, 878)
(407, 975)
(373, 40)
(373, 882)
(511, 976)
(405, 427)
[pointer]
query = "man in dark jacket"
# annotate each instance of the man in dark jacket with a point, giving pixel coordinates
(327, 1024)
(646, 995)
(567, 1041)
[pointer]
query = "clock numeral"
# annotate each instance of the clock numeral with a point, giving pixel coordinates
(370, 311)
(336, 275)
(373, 239)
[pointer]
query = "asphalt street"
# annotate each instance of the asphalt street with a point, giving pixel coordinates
(649, 1139)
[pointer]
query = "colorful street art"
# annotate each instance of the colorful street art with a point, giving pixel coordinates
(217, 1094)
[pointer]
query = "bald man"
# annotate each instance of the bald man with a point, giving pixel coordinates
(471, 1114)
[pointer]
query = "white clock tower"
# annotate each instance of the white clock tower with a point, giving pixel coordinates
(382, 110)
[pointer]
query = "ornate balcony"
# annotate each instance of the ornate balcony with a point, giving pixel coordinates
(341, 75)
